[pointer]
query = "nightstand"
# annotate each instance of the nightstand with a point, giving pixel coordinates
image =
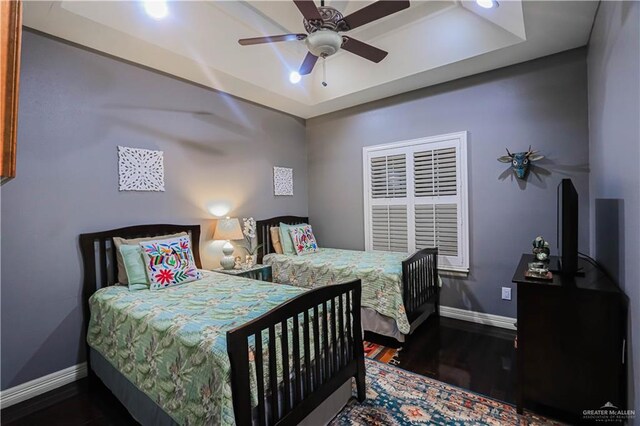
(256, 272)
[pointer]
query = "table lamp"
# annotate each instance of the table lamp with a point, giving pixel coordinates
(228, 229)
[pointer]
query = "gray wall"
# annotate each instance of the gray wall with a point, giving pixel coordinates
(614, 130)
(75, 108)
(542, 103)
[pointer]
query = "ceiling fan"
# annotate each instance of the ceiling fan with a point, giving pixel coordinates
(324, 25)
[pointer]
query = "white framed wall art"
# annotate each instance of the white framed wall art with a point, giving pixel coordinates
(140, 169)
(282, 181)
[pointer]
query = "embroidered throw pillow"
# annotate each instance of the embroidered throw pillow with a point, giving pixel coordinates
(169, 262)
(304, 241)
(117, 242)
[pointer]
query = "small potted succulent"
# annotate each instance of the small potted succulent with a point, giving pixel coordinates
(541, 249)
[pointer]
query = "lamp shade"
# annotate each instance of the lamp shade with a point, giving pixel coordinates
(228, 229)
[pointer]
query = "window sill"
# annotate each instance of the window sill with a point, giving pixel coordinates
(454, 272)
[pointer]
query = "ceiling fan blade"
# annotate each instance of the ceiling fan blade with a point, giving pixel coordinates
(308, 64)
(271, 39)
(365, 50)
(374, 11)
(308, 9)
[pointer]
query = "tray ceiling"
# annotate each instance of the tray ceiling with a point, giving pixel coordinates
(429, 43)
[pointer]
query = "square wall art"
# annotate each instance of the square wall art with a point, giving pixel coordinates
(140, 169)
(282, 181)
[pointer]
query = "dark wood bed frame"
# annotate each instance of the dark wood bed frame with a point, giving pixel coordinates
(336, 360)
(101, 268)
(337, 357)
(420, 289)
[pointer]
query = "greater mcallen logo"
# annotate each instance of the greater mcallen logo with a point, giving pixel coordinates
(608, 413)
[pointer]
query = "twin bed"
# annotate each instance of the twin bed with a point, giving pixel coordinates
(399, 292)
(221, 350)
(230, 350)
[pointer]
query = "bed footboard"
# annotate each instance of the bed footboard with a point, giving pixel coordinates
(324, 326)
(421, 292)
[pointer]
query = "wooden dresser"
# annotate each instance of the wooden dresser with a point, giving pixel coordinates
(571, 346)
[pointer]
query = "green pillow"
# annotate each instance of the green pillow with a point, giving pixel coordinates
(134, 266)
(285, 237)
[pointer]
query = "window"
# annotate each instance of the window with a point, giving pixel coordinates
(415, 196)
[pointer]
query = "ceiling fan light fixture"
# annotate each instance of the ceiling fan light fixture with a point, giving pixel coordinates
(157, 9)
(487, 4)
(295, 77)
(323, 43)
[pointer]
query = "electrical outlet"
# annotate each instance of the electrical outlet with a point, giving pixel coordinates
(506, 293)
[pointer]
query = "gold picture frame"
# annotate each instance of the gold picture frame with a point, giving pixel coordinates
(10, 44)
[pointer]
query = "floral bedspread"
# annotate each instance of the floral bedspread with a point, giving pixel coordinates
(171, 343)
(380, 272)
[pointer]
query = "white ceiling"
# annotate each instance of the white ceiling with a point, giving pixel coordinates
(429, 43)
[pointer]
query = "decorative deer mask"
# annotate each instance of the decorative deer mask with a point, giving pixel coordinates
(520, 161)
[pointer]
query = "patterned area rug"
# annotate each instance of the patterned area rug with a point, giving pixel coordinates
(398, 397)
(381, 353)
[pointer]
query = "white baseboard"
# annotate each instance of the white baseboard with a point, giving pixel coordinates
(41, 385)
(478, 317)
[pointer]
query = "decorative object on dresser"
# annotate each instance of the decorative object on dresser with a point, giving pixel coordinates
(10, 39)
(140, 169)
(571, 353)
(228, 229)
(520, 161)
(255, 272)
(541, 249)
(282, 181)
(538, 270)
(249, 231)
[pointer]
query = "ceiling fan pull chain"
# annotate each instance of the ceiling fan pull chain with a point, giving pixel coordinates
(324, 71)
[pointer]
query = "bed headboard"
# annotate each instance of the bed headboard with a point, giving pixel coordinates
(264, 233)
(99, 256)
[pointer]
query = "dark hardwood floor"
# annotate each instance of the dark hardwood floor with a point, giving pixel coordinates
(475, 357)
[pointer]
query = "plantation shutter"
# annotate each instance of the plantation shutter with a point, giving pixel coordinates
(437, 226)
(389, 213)
(389, 228)
(435, 172)
(389, 176)
(436, 190)
(415, 197)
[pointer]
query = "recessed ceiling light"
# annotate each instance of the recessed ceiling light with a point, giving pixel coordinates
(157, 9)
(487, 4)
(295, 77)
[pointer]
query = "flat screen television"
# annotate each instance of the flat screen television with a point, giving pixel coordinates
(567, 228)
